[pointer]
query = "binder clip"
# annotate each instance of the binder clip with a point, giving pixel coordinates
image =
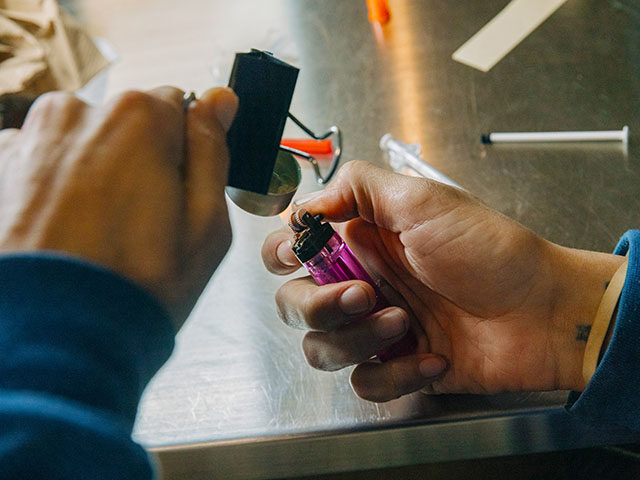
(264, 175)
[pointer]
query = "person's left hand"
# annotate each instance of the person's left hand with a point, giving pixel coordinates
(136, 185)
(494, 307)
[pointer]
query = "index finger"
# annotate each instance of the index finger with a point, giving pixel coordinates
(171, 95)
(394, 202)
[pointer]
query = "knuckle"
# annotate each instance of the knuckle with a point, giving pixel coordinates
(363, 387)
(283, 306)
(51, 99)
(383, 389)
(134, 101)
(169, 92)
(306, 308)
(315, 355)
(52, 103)
(352, 168)
(314, 323)
(347, 169)
(311, 353)
(362, 391)
(311, 314)
(342, 357)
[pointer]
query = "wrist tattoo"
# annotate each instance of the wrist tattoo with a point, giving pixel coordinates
(582, 332)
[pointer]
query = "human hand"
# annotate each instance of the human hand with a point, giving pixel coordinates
(136, 185)
(494, 306)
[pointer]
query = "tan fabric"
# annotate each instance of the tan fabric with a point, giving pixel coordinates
(43, 48)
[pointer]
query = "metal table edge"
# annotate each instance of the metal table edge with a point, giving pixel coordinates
(284, 456)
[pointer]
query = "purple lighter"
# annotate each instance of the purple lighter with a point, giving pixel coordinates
(329, 260)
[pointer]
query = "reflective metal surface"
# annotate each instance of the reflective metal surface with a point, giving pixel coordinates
(285, 179)
(237, 380)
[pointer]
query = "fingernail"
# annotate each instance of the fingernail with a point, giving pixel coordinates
(285, 255)
(390, 324)
(432, 366)
(354, 300)
(307, 198)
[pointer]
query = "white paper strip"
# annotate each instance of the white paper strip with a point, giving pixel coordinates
(502, 34)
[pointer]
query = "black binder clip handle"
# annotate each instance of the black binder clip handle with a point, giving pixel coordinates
(334, 132)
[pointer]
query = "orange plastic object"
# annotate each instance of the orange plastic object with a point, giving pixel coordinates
(378, 11)
(317, 147)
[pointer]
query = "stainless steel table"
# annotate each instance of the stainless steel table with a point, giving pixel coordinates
(237, 400)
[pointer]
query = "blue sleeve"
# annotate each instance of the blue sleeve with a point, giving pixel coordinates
(78, 344)
(613, 394)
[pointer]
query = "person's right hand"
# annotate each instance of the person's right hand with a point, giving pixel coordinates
(136, 185)
(495, 307)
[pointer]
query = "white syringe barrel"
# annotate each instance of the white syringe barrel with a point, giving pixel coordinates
(399, 149)
(594, 136)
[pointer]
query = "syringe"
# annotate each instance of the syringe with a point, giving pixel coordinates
(408, 155)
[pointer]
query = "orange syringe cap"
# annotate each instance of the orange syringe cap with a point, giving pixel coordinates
(378, 11)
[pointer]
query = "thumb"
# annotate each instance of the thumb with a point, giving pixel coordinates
(207, 163)
(389, 200)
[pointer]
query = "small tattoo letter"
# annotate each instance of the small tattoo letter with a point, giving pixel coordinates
(583, 332)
